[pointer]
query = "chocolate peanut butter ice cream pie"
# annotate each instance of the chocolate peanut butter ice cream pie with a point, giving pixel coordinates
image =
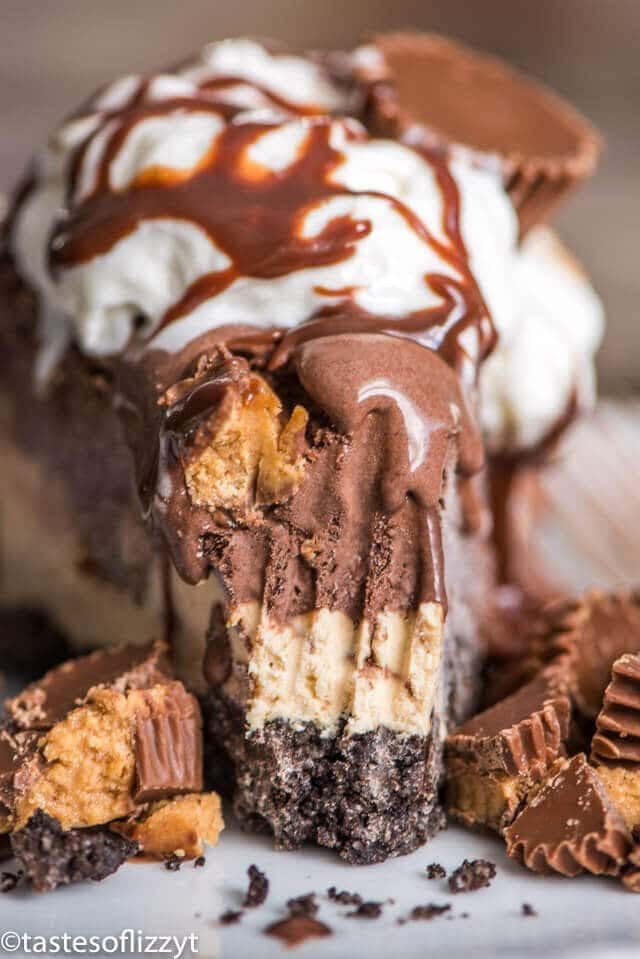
(242, 402)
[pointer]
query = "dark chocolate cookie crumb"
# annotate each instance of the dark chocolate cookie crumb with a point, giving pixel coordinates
(258, 888)
(430, 911)
(230, 917)
(436, 871)
(303, 905)
(344, 898)
(9, 881)
(173, 863)
(199, 862)
(297, 929)
(366, 910)
(471, 875)
(49, 857)
(528, 910)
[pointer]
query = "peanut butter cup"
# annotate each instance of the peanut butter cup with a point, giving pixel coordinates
(615, 747)
(430, 90)
(570, 825)
(495, 758)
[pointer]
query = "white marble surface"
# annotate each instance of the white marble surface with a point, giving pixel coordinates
(584, 918)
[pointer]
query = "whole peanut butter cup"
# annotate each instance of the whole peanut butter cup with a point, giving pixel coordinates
(431, 91)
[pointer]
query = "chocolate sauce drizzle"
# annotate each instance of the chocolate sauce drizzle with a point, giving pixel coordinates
(253, 215)
(394, 392)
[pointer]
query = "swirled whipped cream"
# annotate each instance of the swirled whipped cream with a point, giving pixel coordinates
(543, 364)
(228, 191)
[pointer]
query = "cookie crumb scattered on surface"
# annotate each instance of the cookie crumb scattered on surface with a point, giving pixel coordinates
(303, 905)
(258, 888)
(199, 862)
(528, 910)
(471, 875)
(366, 910)
(230, 917)
(436, 871)
(344, 898)
(173, 863)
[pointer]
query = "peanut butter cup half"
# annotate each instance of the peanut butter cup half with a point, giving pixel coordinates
(431, 91)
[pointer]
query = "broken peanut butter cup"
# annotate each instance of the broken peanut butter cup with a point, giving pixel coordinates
(570, 825)
(615, 747)
(592, 633)
(433, 92)
(496, 757)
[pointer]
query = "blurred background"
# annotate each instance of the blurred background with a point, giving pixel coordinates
(54, 52)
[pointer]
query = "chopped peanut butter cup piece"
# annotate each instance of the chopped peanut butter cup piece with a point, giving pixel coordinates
(237, 447)
(494, 759)
(570, 825)
(433, 92)
(592, 634)
(118, 744)
(48, 700)
(179, 826)
(615, 748)
(168, 743)
(617, 738)
(523, 734)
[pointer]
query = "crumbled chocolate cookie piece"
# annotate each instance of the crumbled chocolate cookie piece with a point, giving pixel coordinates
(430, 911)
(303, 905)
(366, 910)
(436, 871)
(344, 898)
(258, 888)
(50, 857)
(471, 875)
(9, 881)
(528, 910)
(230, 917)
(173, 863)
(297, 929)
(199, 862)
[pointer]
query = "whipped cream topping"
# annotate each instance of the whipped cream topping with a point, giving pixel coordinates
(543, 364)
(215, 194)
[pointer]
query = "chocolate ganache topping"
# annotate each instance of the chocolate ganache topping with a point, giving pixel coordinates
(293, 316)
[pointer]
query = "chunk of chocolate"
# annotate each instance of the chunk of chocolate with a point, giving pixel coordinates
(47, 701)
(570, 825)
(434, 92)
(50, 856)
(168, 743)
(297, 929)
